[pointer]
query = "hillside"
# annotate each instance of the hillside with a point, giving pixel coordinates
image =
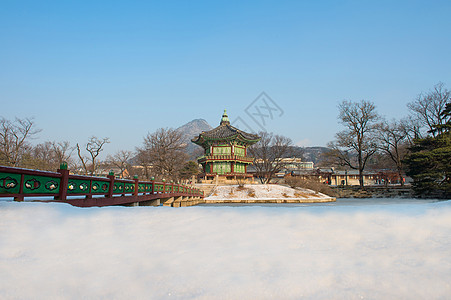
(191, 130)
(313, 153)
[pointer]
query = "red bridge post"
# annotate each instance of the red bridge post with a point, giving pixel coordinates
(111, 187)
(164, 186)
(135, 192)
(153, 185)
(20, 196)
(62, 195)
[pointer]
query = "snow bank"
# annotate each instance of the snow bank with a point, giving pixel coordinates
(260, 192)
(55, 251)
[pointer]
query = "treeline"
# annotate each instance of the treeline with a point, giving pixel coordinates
(418, 144)
(161, 155)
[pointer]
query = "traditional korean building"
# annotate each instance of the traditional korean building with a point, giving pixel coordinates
(225, 151)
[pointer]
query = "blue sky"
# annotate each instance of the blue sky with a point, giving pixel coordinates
(121, 69)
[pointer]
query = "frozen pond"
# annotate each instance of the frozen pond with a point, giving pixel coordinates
(339, 202)
(351, 249)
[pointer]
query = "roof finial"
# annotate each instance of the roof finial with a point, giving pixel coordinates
(225, 119)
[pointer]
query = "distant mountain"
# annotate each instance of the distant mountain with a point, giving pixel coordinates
(191, 130)
(313, 153)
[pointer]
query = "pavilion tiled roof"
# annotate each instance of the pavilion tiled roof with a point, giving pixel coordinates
(225, 131)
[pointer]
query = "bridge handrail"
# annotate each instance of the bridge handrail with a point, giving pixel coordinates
(20, 183)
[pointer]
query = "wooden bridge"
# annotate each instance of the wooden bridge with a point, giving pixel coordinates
(88, 191)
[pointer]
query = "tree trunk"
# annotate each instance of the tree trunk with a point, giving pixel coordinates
(361, 184)
(360, 170)
(401, 178)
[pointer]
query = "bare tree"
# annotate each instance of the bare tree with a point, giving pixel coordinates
(412, 127)
(354, 145)
(93, 147)
(120, 160)
(62, 151)
(164, 152)
(47, 156)
(428, 107)
(268, 154)
(40, 157)
(143, 161)
(14, 136)
(393, 141)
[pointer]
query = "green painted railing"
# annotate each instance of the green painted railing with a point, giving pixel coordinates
(20, 183)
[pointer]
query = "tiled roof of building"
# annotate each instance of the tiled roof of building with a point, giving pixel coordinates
(225, 131)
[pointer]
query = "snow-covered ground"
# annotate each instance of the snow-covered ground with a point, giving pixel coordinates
(56, 251)
(264, 192)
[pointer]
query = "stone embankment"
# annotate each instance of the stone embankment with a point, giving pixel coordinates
(373, 192)
(206, 188)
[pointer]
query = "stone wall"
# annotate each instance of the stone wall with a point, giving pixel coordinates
(373, 192)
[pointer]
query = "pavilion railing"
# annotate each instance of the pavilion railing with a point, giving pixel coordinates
(20, 183)
(228, 174)
(224, 157)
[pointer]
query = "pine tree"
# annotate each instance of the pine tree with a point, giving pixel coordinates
(189, 169)
(430, 162)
